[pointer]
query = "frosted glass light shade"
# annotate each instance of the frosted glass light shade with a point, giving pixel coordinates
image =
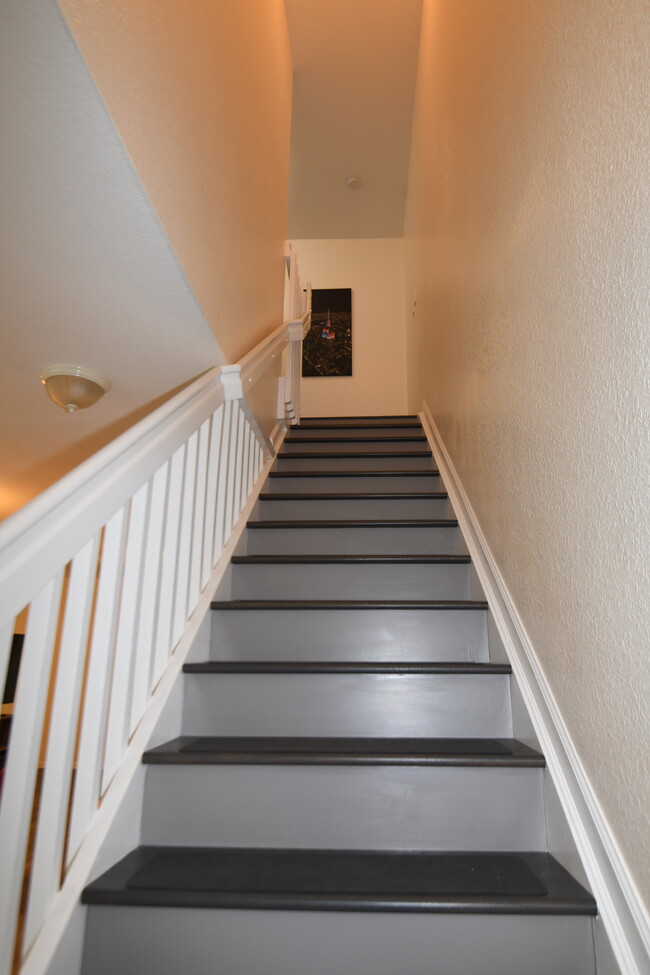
(74, 387)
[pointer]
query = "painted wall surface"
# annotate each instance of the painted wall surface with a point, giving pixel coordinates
(529, 250)
(374, 269)
(87, 273)
(201, 95)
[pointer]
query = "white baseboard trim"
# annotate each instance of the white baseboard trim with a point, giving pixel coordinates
(41, 953)
(622, 911)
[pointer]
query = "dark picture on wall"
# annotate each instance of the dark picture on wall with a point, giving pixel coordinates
(327, 349)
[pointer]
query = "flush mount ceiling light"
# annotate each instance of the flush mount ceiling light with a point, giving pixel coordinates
(353, 182)
(74, 387)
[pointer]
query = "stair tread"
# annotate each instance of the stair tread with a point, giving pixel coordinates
(395, 667)
(343, 559)
(356, 473)
(349, 604)
(355, 523)
(358, 496)
(237, 750)
(339, 880)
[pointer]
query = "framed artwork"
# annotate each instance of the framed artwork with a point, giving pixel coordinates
(327, 349)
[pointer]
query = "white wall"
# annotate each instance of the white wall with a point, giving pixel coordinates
(374, 269)
(201, 95)
(528, 245)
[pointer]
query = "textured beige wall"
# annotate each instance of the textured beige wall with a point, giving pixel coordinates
(201, 95)
(374, 269)
(528, 246)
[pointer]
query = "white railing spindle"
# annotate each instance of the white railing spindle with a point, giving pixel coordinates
(116, 736)
(98, 682)
(185, 540)
(144, 640)
(199, 514)
(62, 732)
(169, 560)
(25, 743)
(211, 497)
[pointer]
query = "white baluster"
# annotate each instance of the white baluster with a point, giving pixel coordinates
(185, 541)
(245, 459)
(169, 562)
(231, 472)
(148, 612)
(222, 482)
(61, 740)
(24, 747)
(237, 504)
(196, 560)
(116, 736)
(211, 497)
(98, 682)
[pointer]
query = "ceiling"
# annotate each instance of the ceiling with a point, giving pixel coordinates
(355, 64)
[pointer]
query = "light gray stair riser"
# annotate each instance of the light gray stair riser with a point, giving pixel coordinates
(351, 508)
(351, 581)
(341, 447)
(354, 463)
(351, 635)
(438, 706)
(294, 436)
(335, 485)
(414, 540)
(204, 942)
(345, 807)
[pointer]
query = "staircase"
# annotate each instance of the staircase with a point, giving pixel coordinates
(347, 796)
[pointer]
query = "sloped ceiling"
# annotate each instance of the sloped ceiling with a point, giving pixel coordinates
(87, 274)
(355, 65)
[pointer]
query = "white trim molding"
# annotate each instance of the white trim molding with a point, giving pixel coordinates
(621, 909)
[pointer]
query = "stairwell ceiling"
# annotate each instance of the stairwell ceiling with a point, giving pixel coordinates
(355, 65)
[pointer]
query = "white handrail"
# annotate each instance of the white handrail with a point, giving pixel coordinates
(111, 562)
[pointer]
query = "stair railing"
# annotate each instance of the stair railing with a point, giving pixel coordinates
(110, 563)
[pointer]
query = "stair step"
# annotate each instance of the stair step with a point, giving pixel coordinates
(379, 705)
(356, 523)
(321, 506)
(334, 480)
(456, 752)
(339, 880)
(349, 455)
(359, 473)
(357, 496)
(347, 577)
(347, 432)
(372, 418)
(349, 604)
(340, 667)
(345, 792)
(309, 632)
(363, 461)
(351, 559)
(346, 440)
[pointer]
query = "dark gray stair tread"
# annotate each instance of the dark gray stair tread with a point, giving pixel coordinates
(464, 752)
(358, 496)
(356, 473)
(356, 523)
(351, 559)
(376, 604)
(348, 454)
(341, 880)
(342, 667)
